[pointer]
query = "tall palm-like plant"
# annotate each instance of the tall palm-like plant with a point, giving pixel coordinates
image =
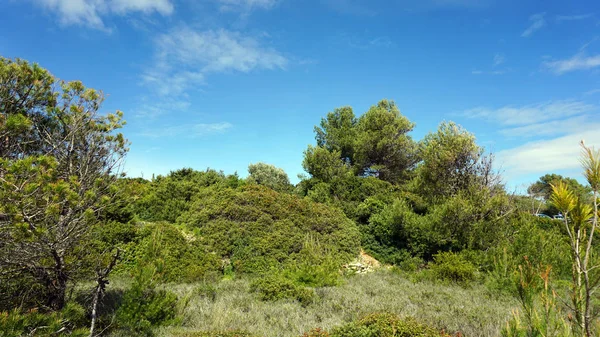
(577, 216)
(591, 170)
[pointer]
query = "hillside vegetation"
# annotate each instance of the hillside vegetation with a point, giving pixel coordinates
(385, 235)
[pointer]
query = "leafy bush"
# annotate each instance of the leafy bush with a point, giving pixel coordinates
(453, 267)
(385, 325)
(22, 292)
(273, 288)
(315, 266)
(270, 176)
(351, 194)
(169, 196)
(410, 263)
(259, 229)
(35, 323)
(144, 306)
(177, 256)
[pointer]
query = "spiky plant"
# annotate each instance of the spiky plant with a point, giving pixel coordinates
(590, 160)
(577, 216)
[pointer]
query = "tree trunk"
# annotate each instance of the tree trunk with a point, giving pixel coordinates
(101, 282)
(57, 290)
(95, 309)
(56, 286)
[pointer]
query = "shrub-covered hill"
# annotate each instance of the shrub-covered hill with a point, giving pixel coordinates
(205, 222)
(257, 228)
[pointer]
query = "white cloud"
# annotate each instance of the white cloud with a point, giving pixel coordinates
(493, 72)
(530, 114)
(90, 12)
(185, 56)
(558, 127)
(382, 41)
(547, 155)
(148, 109)
(592, 92)
(188, 130)
(579, 61)
(499, 59)
(552, 128)
(538, 21)
(560, 18)
(245, 5)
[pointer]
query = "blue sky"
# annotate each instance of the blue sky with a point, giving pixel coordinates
(225, 83)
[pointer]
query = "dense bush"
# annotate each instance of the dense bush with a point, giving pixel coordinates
(167, 197)
(348, 193)
(143, 306)
(385, 325)
(270, 176)
(453, 267)
(21, 292)
(476, 220)
(176, 254)
(35, 323)
(259, 229)
(315, 265)
(273, 288)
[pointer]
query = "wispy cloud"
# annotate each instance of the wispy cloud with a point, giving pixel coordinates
(538, 21)
(184, 57)
(188, 130)
(363, 42)
(246, 5)
(499, 59)
(149, 109)
(561, 18)
(90, 12)
(552, 128)
(591, 92)
(557, 126)
(579, 61)
(545, 156)
(485, 72)
(530, 114)
(382, 41)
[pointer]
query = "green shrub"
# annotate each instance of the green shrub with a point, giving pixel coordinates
(408, 263)
(23, 292)
(315, 266)
(144, 306)
(385, 325)
(273, 288)
(259, 229)
(69, 321)
(176, 255)
(453, 267)
(167, 197)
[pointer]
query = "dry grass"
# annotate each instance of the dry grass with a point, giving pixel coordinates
(472, 311)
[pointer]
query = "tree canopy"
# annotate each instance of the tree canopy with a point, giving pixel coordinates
(270, 176)
(375, 144)
(60, 158)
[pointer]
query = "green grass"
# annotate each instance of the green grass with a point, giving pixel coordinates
(472, 311)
